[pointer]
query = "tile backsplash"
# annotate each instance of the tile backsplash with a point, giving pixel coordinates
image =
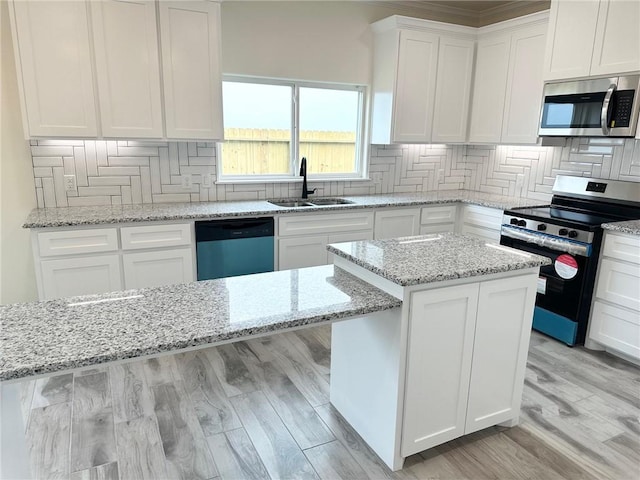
(125, 172)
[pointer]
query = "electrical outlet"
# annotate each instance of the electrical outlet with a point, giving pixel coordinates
(70, 183)
(376, 177)
(187, 181)
(206, 180)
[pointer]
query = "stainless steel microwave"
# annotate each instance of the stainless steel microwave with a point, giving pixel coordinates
(603, 107)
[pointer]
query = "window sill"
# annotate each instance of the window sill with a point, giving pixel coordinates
(310, 180)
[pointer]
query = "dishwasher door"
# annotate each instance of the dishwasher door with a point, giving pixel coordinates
(227, 248)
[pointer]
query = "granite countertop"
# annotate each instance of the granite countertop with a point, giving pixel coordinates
(69, 216)
(631, 226)
(434, 258)
(45, 337)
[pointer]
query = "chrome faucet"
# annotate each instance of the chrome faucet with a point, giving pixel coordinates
(303, 173)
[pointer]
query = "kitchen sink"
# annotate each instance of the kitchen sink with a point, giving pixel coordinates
(311, 202)
(290, 203)
(329, 201)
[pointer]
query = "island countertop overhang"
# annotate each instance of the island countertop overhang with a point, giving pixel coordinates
(425, 259)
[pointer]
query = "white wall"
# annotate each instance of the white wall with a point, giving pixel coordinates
(323, 41)
(17, 195)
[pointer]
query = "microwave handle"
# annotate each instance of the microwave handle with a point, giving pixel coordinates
(606, 106)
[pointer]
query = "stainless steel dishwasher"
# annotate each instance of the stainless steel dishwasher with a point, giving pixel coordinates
(227, 248)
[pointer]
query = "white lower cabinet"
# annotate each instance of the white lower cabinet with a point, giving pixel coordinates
(68, 277)
(303, 239)
(157, 268)
(615, 316)
(447, 336)
(393, 223)
(482, 222)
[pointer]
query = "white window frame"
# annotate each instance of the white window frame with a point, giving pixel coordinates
(361, 170)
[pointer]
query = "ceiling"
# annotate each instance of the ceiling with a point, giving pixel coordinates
(475, 13)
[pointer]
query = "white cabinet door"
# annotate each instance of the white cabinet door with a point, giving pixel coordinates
(481, 222)
(51, 42)
(438, 366)
(453, 89)
(524, 86)
(617, 41)
(415, 87)
(190, 33)
(503, 327)
(299, 252)
(127, 66)
(570, 39)
(618, 328)
(489, 88)
(157, 268)
(80, 276)
(619, 283)
(396, 223)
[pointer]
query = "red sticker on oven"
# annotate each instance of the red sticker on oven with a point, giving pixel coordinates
(566, 266)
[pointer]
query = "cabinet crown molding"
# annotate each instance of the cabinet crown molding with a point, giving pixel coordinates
(410, 23)
(539, 18)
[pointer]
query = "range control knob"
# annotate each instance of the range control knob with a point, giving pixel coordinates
(573, 234)
(522, 223)
(513, 221)
(542, 227)
(563, 231)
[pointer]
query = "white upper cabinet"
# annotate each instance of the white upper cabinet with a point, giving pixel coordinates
(80, 60)
(524, 86)
(455, 72)
(53, 60)
(592, 38)
(507, 88)
(415, 87)
(617, 41)
(127, 67)
(191, 69)
(421, 81)
(492, 65)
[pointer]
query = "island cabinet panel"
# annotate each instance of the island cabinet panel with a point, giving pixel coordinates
(127, 68)
(466, 359)
(80, 276)
(394, 223)
(53, 60)
(501, 344)
(440, 352)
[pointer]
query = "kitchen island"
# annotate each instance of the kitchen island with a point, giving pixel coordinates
(42, 338)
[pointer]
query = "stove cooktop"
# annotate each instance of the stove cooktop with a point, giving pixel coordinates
(565, 217)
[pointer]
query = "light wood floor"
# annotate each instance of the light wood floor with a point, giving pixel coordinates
(260, 409)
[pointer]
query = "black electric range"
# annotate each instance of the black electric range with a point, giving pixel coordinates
(569, 232)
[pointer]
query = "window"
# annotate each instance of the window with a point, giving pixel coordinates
(269, 125)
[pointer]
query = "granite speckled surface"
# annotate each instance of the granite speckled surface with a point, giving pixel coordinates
(69, 216)
(434, 258)
(632, 227)
(46, 337)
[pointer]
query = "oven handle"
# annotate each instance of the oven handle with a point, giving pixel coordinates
(547, 241)
(606, 106)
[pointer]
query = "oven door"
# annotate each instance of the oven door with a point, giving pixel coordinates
(561, 285)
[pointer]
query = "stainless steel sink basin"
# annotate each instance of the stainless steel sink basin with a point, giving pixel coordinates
(311, 202)
(329, 201)
(290, 203)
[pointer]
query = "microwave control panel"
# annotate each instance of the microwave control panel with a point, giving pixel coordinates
(623, 103)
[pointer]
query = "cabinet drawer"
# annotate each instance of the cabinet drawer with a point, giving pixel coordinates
(154, 236)
(617, 328)
(71, 242)
(482, 216)
(619, 283)
(309, 224)
(445, 214)
(622, 247)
